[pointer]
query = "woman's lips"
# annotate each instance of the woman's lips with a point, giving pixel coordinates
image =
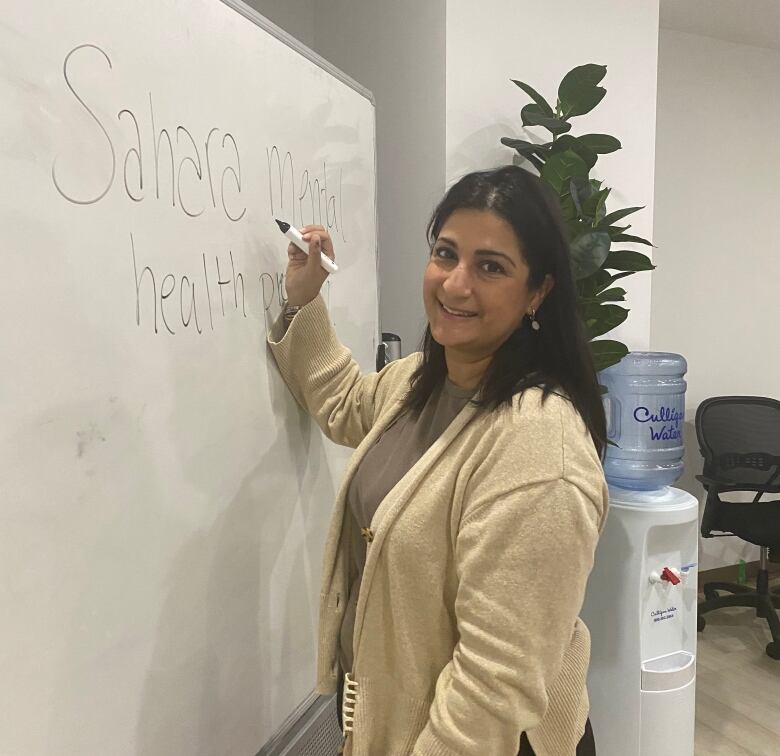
(456, 314)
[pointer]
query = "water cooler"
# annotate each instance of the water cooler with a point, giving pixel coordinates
(640, 603)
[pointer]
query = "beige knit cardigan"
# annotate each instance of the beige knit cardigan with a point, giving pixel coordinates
(466, 631)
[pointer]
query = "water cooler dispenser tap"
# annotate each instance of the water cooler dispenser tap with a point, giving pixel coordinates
(668, 575)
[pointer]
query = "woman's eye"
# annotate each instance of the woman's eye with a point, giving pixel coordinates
(443, 252)
(488, 266)
(493, 267)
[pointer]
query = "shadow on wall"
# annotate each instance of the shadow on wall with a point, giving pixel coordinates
(485, 143)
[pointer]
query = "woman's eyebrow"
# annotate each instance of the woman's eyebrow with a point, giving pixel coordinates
(494, 253)
(479, 252)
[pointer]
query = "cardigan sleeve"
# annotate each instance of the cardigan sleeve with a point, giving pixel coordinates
(324, 378)
(523, 561)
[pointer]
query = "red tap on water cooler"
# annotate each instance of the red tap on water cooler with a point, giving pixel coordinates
(667, 575)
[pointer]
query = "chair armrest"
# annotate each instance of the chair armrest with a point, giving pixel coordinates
(724, 486)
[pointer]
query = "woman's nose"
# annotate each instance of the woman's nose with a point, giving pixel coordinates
(458, 281)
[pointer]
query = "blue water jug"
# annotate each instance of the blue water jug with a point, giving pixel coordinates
(645, 408)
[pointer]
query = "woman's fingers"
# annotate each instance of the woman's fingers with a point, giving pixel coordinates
(309, 232)
(305, 274)
(315, 249)
(294, 253)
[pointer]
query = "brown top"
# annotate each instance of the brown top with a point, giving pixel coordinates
(388, 460)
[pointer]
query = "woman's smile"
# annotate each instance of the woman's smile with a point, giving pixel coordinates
(452, 313)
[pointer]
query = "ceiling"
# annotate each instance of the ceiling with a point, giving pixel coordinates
(747, 22)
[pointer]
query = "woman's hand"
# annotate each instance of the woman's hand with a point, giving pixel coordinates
(305, 275)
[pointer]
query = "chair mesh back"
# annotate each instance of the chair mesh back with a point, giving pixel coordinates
(739, 437)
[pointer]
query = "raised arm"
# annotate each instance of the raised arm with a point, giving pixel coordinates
(318, 369)
(324, 378)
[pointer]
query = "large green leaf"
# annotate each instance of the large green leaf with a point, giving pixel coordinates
(601, 144)
(603, 318)
(614, 231)
(535, 96)
(618, 276)
(634, 239)
(594, 207)
(584, 104)
(612, 295)
(535, 161)
(561, 168)
(588, 253)
(627, 260)
(527, 110)
(569, 142)
(618, 214)
(578, 93)
(590, 286)
(607, 353)
(531, 115)
(600, 319)
(524, 147)
(590, 201)
(580, 189)
(568, 208)
(577, 227)
(601, 280)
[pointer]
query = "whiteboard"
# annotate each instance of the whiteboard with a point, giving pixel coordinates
(163, 501)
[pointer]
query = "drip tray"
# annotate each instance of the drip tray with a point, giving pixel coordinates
(668, 672)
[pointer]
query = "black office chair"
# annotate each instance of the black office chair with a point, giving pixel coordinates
(739, 438)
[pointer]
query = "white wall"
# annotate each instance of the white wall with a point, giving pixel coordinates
(296, 17)
(397, 50)
(716, 292)
(490, 43)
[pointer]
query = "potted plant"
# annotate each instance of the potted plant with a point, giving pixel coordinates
(564, 162)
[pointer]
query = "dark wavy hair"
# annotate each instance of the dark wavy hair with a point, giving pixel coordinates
(556, 358)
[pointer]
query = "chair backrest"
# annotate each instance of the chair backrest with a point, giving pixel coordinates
(739, 438)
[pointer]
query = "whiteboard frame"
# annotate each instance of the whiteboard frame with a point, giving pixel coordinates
(256, 18)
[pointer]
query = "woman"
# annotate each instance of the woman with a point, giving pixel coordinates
(464, 532)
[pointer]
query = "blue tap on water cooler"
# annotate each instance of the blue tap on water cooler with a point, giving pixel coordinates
(645, 408)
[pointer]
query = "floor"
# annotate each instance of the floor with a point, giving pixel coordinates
(737, 687)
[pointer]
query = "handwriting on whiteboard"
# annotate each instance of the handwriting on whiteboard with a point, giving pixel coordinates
(194, 173)
(203, 171)
(183, 157)
(213, 289)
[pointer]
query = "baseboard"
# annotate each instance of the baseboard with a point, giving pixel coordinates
(730, 573)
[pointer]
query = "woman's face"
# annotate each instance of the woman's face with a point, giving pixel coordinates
(475, 286)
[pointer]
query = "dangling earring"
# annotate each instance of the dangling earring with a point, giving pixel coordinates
(534, 322)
